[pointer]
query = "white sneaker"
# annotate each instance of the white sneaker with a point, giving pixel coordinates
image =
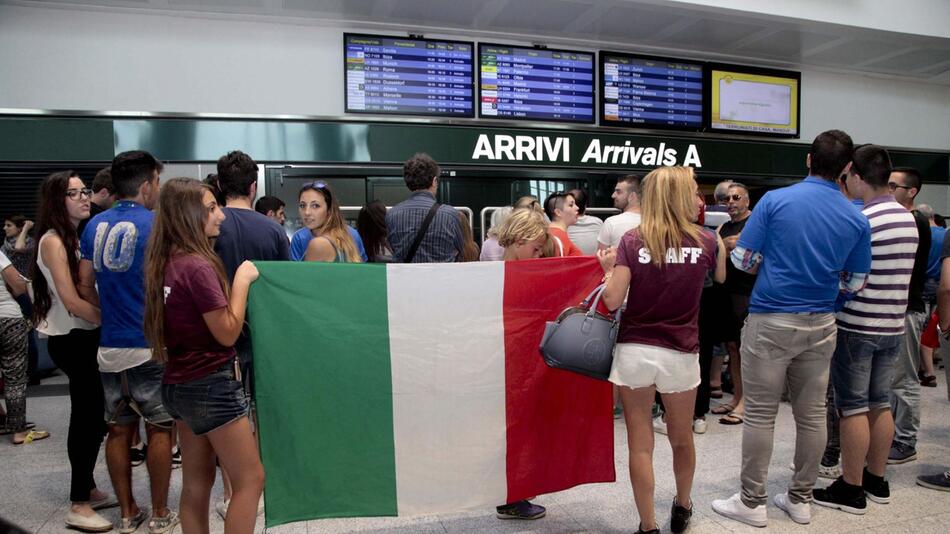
(222, 507)
(799, 512)
(93, 523)
(831, 473)
(735, 509)
(659, 425)
(699, 426)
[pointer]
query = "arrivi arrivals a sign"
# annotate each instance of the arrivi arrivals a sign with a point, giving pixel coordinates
(549, 149)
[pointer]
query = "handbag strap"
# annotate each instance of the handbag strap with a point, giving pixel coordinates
(421, 233)
(599, 290)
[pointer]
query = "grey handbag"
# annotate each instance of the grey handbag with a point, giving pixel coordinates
(581, 339)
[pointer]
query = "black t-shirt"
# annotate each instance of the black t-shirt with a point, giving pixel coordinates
(915, 295)
(737, 282)
(248, 235)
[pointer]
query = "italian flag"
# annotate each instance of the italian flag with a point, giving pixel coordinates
(419, 389)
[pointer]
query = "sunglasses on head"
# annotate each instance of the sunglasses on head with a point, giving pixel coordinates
(76, 194)
(316, 184)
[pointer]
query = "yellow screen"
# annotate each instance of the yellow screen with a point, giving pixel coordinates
(754, 103)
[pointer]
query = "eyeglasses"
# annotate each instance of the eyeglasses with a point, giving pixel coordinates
(893, 187)
(76, 194)
(734, 198)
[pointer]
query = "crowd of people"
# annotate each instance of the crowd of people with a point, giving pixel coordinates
(824, 293)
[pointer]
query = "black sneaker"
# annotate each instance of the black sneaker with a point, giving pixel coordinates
(679, 517)
(176, 458)
(137, 455)
(901, 453)
(842, 496)
(940, 481)
(520, 510)
(876, 488)
(641, 531)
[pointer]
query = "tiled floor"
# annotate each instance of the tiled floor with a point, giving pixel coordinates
(34, 480)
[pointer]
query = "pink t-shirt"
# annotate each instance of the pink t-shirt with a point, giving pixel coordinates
(192, 289)
(663, 302)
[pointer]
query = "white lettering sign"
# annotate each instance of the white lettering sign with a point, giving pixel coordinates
(543, 148)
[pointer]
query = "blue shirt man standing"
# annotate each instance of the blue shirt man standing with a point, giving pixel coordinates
(807, 243)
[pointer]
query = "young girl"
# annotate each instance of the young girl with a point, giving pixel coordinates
(72, 325)
(663, 264)
(192, 319)
(562, 210)
(320, 213)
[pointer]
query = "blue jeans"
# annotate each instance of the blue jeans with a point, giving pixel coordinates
(208, 403)
(141, 395)
(862, 370)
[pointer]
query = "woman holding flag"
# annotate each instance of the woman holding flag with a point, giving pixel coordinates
(192, 319)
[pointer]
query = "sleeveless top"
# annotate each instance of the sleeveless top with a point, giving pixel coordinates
(58, 321)
(340, 256)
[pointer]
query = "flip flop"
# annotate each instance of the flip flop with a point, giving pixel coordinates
(33, 435)
(723, 409)
(731, 419)
(4, 431)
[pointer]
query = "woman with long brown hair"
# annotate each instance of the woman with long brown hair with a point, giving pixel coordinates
(192, 319)
(663, 264)
(320, 213)
(72, 325)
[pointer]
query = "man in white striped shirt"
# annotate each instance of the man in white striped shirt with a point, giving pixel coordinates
(870, 331)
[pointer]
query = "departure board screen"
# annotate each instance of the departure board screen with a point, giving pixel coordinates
(536, 84)
(651, 92)
(402, 76)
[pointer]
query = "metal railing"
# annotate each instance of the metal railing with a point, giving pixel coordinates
(489, 209)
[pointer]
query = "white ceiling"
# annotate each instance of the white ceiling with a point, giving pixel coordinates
(650, 27)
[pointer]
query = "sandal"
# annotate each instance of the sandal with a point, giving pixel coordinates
(31, 436)
(4, 431)
(731, 419)
(715, 393)
(723, 409)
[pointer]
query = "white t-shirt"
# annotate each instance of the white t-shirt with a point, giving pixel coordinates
(584, 233)
(116, 360)
(616, 226)
(9, 309)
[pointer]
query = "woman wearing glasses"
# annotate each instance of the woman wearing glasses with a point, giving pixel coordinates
(321, 215)
(663, 264)
(562, 209)
(72, 325)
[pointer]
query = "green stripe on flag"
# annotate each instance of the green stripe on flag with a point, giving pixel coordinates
(318, 463)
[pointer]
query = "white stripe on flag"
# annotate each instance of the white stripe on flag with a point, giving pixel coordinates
(447, 351)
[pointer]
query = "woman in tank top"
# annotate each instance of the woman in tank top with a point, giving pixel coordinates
(320, 213)
(192, 319)
(72, 325)
(663, 263)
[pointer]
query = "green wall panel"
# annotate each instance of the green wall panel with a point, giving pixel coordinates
(56, 139)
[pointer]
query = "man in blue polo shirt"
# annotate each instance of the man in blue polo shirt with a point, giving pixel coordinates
(807, 242)
(113, 255)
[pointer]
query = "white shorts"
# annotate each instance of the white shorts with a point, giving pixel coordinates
(639, 366)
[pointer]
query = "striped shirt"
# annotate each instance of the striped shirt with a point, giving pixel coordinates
(442, 241)
(879, 308)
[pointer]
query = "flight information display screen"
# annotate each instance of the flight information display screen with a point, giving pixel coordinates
(754, 100)
(402, 76)
(536, 84)
(651, 92)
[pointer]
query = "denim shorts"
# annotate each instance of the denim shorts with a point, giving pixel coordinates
(143, 398)
(208, 403)
(861, 371)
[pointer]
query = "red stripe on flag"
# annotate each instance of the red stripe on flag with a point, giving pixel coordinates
(560, 424)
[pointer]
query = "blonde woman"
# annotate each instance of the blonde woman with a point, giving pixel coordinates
(491, 249)
(321, 215)
(523, 235)
(662, 264)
